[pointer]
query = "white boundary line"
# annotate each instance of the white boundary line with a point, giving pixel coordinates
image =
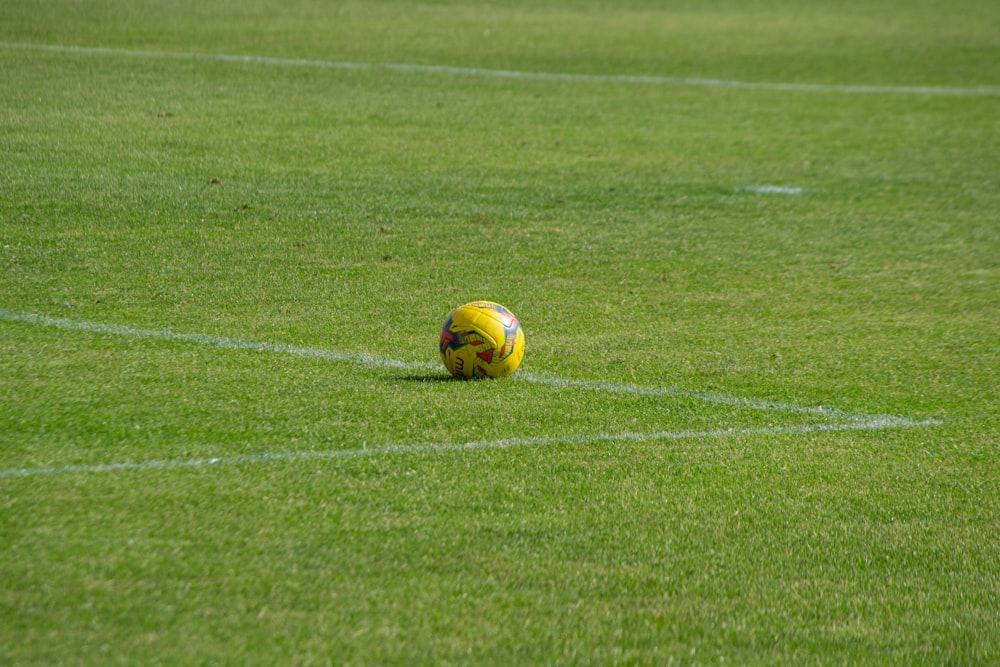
(774, 190)
(214, 341)
(838, 420)
(374, 361)
(975, 91)
(388, 450)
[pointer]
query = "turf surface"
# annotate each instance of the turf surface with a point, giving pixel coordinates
(201, 462)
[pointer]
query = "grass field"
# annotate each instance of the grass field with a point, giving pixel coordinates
(755, 248)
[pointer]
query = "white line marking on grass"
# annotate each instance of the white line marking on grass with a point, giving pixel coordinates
(374, 361)
(838, 420)
(977, 91)
(390, 450)
(774, 190)
(215, 341)
(717, 398)
(362, 359)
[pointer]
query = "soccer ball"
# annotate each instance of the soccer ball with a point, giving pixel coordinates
(481, 339)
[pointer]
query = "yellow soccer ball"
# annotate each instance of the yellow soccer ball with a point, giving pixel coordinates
(482, 339)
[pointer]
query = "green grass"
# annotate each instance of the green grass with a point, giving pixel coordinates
(356, 207)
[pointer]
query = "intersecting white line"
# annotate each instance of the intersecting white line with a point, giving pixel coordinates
(837, 420)
(978, 91)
